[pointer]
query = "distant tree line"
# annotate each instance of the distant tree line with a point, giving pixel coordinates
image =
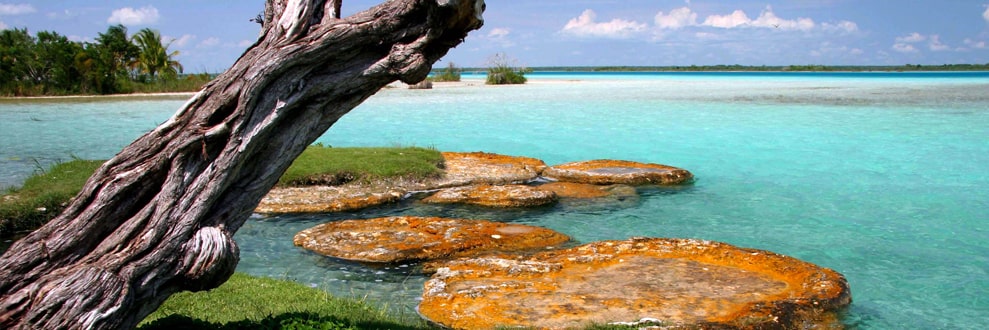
(50, 64)
(802, 68)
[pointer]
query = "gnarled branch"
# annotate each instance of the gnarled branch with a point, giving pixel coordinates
(158, 218)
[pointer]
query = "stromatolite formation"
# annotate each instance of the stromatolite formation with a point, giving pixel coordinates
(396, 239)
(513, 195)
(680, 283)
(604, 171)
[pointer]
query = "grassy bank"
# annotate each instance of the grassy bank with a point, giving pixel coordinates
(320, 165)
(246, 302)
(45, 194)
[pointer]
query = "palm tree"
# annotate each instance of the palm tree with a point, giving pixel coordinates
(153, 58)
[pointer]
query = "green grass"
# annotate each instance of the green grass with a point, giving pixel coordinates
(503, 71)
(186, 83)
(43, 195)
(246, 302)
(504, 75)
(334, 166)
(451, 73)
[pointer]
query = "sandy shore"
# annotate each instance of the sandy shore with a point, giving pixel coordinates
(474, 82)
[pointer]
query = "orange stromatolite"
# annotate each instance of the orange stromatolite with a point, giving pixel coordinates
(494, 196)
(680, 283)
(465, 168)
(318, 199)
(396, 239)
(583, 190)
(617, 171)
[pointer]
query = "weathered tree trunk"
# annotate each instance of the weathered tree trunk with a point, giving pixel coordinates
(159, 217)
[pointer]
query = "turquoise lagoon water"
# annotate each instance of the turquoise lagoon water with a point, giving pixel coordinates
(880, 176)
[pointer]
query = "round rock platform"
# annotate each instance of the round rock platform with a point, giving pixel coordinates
(513, 195)
(675, 283)
(604, 171)
(397, 239)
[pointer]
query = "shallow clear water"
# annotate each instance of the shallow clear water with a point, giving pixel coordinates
(880, 177)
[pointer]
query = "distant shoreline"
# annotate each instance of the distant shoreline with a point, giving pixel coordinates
(97, 97)
(754, 68)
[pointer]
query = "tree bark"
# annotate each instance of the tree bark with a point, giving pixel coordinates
(159, 217)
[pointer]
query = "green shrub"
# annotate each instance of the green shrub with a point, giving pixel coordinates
(503, 71)
(451, 73)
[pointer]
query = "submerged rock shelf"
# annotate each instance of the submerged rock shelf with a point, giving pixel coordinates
(483, 179)
(674, 282)
(399, 239)
(491, 274)
(603, 171)
(513, 195)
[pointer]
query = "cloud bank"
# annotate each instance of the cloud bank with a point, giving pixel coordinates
(684, 17)
(14, 9)
(129, 16)
(586, 26)
(18, 9)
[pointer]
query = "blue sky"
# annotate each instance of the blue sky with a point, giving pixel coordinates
(210, 35)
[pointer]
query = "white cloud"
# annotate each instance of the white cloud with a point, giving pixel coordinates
(64, 14)
(831, 50)
(985, 14)
(911, 38)
(904, 48)
(936, 45)
(768, 19)
(499, 33)
(905, 44)
(676, 19)
(842, 26)
(209, 42)
(18, 9)
(79, 39)
(586, 26)
(182, 41)
(130, 16)
(245, 43)
(736, 19)
(3, 26)
(975, 44)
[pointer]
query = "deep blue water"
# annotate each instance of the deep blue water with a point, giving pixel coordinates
(880, 176)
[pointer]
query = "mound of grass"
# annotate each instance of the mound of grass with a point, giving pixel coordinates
(247, 302)
(451, 73)
(43, 195)
(334, 166)
(503, 71)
